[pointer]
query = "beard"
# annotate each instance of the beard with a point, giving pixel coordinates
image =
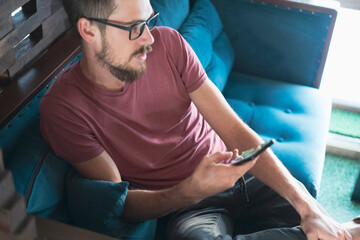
(123, 72)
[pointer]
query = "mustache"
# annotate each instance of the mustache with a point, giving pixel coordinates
(142, 50)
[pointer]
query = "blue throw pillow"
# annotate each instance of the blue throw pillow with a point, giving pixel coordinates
(39, 175)
(201, 27)
(172, 13)
(98, 206)
(221, 62)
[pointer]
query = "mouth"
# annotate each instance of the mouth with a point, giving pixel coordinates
(141, 57)
(141, 54)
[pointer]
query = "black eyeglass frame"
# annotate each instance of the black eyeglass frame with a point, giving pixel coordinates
(130, 29)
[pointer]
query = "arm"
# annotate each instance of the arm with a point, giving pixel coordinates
(204, 182)
(236, 134)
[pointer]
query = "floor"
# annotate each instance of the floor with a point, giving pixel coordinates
(341, 78)
(337, 184)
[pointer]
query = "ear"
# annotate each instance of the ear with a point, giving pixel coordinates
(87, 31)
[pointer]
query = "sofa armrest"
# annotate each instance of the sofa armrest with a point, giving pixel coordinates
(280, 40)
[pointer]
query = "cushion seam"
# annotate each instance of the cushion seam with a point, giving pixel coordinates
(36, 173)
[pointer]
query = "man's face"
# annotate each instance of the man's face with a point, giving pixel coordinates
(125, 58)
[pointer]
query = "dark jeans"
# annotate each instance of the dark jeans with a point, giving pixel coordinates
(265, 216)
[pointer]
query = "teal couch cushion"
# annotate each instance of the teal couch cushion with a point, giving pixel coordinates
(172, 13)
(203, 30)
(200, 29)
(39, 175)
(221, 62)
(98, 205)
(296, 116)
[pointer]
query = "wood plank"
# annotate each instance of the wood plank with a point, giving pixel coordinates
(20, 32)
(52, 230)
(7, 187)
(8, 7)
(13, 214)
(56, 5)
(58, 19)
(7, 60)
(6, 25)
(44, 43)
(27, 231)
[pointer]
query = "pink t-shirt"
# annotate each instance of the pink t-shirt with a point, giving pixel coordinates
(151, 129)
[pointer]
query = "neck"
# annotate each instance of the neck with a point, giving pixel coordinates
(98, 74)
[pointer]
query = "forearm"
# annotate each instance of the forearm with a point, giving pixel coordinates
(141, 205)
(270, 170)
(273, 173)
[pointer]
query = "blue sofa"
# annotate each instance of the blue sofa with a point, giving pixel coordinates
(266, 57)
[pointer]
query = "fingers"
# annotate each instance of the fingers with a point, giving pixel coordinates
(340, 235)
(235, 154)
(347, 235)
(219, 156)
(312, 236)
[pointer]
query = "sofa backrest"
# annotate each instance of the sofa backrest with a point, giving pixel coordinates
(264, 48)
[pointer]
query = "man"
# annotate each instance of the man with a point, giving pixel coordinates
(139, 107)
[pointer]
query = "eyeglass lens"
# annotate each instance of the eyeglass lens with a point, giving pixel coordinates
(137, 30)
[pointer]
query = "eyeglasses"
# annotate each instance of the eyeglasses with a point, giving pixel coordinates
(135, 31)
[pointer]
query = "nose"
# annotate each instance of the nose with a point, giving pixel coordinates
(146, 38)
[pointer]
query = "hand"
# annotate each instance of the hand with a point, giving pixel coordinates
(210, 177)
(319, 225)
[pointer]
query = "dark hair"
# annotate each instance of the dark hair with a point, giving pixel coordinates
(76, 9)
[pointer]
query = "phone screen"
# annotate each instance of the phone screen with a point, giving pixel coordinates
(252, 153)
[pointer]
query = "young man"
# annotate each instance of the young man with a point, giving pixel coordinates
(139, 107)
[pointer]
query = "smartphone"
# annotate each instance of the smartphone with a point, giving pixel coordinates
(251, 153)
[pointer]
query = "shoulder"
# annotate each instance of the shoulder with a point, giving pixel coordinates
(62, 92)
(167, 36)
(164, 31)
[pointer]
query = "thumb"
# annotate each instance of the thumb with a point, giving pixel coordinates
(220, 156)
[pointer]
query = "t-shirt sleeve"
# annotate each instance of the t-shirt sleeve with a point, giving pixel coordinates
(188, 64)
(67, 134)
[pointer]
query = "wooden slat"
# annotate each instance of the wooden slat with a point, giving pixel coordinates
(7, 187)
(7, 7)
(6, 61)
(58, 19)
(27, 231)
(50, 32)
(12, 214)
(6, 25)
(56, 5)
(24, 29)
